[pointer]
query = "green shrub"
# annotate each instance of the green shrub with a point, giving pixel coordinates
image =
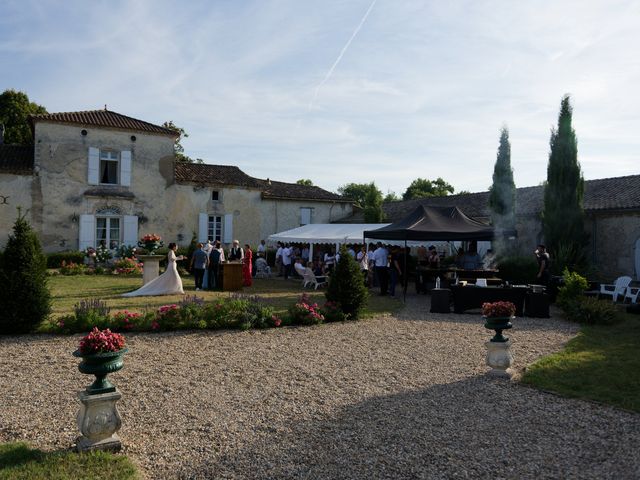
(569, 257)
(591, 311)
(54, 260)
(332, 312)
(518, 269)
(573, 287)
(127, 266)
(346, 286)
(25, 300)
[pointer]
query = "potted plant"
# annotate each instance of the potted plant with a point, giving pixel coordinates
(151, 242)
(101, 352)
(497, 316)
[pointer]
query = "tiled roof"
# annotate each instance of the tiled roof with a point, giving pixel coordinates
(228, 175)
(294, 191)
(605, 194)
(205, 174)
(16, 158)
(102, 118)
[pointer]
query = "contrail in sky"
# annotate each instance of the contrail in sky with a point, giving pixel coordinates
(342, 52)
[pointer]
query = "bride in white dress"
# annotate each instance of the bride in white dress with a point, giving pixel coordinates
(169, 283)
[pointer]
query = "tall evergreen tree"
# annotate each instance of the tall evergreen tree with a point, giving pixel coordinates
(502, 194)
(563, 214)
(346, 286)
(25, 300)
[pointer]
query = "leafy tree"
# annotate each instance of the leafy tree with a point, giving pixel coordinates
(15, 109)
(391, 197)
(305, 181)
(502, 194)
(346, 286)
(178, 149)
(373, 206)
(25, 300)
(563, 214)
(358, 192)
(421, 187)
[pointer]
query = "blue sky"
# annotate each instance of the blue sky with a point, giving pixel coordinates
(345, 91)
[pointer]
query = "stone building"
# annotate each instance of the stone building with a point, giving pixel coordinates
(612, 209)
(101, 177)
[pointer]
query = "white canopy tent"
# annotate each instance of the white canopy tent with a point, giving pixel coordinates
(341, 233)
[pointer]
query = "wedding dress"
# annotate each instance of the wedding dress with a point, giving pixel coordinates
(169, 283)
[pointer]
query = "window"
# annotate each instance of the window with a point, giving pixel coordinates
(109, 163)
(108, 232)
(215, 196)
(305, 215)
(214, 228)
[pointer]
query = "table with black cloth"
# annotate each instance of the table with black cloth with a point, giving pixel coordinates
(426, 275)
(440, 300)
(536, 305)
(468, 297)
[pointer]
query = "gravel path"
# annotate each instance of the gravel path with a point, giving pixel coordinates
(391, 397)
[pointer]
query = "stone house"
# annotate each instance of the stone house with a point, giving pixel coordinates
(101, 177)
(612, 208)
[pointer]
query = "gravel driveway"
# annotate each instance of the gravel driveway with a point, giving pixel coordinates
(392, 397)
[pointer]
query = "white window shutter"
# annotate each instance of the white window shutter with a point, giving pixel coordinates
(130, 230)
(87, 232)
(305, 216)
(203, 224)
(94, 166)
(227, 233)
(125, 168)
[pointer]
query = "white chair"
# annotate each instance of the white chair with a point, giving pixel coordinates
(616, 289)
(309, 278)
(632, 294)
(263, 270)
(481, 282)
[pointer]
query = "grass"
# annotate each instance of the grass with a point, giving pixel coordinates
(69, 290)
(602, 363)
(19, 461)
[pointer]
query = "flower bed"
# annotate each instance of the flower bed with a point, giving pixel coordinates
(237, 311)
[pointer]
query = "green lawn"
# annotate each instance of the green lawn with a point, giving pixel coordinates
(19, 461)
(602, 363)
(69, 290)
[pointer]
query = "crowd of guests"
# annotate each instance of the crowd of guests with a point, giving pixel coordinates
(381, 265)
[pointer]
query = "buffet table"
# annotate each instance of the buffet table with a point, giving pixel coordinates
(468, 297)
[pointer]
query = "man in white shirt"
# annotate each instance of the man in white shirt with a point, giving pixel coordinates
(299, 267)
(286, 261)
(262, 249)
(380, 257)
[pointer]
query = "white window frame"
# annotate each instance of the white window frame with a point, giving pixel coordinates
(215, 227)
(116, 160)
(108, 238)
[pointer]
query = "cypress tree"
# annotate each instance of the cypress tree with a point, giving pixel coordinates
(562, 214)
(502, 194)
(346, 286)
(25, 300)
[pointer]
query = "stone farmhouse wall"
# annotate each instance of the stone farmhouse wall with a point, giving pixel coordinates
(15, 191)
(614, 241)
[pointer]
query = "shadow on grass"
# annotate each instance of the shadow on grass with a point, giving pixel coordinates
(474, 428)
(19, 461)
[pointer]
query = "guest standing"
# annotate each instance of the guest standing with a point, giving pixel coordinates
(215, 258)
(236, 252)
(380, 257)
(246, 265)
(544, 261)
(199, 262)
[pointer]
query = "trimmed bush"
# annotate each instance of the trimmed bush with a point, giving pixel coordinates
(54, 260)
(71, 268)
(591, 311)
(25, 300)
(346, 286)
(573, 287)
(518, 269)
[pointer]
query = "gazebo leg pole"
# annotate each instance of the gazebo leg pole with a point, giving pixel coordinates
(310, 253)
(406, 274)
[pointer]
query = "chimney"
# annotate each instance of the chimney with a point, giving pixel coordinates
(1, 133)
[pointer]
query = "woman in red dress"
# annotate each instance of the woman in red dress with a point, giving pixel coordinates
(246, 266)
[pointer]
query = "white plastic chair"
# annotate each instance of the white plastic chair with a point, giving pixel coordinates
(632, 294)
(481, 282)
(263, 270)
(309, 278)
(616, 289)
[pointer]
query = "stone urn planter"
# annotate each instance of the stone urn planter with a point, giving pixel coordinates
(498, 316)
(100, 365)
